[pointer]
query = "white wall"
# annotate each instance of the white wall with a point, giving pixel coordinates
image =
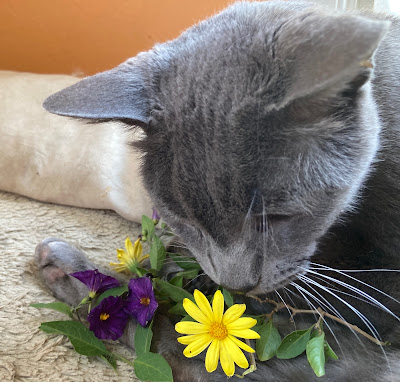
(377, 5)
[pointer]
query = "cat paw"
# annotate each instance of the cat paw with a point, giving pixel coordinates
(56, 259)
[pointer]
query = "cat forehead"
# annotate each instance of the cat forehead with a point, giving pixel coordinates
(234, 49)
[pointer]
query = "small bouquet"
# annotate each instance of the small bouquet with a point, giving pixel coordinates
(205, 323)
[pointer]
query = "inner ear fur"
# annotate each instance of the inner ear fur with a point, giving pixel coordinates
(324, 51)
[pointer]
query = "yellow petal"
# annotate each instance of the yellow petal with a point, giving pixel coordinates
(245, 333)
(186, 340)
(129, 247)
(143, 258)
(218, 306)
(203, 304)
(212, 356)
(121, 253)
(193, 311)
(137, 249)
(187, 327)
(242, 323)
(119, 267)
(233, 313)
(197, 346)
(226, 360)
(237, 355)
(241, 344)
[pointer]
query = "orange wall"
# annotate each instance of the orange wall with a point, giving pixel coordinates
(87, 36)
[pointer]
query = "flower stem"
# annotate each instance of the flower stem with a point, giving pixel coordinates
(252, 358)
(280, 305)
(123, 359)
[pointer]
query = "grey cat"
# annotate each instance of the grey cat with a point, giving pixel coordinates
(271, 147)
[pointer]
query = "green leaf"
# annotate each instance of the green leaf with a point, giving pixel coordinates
(152, 367)
(188, 274)
(294, 344)
(143, 337)
(58, 306)
(316, 354)
(329, 353)
(110, 359)
(144, 271)
(177, 281)
(117, 291)
(185, 262)
(269, 341)
(228, 298)
(148, 229)
(188, 318)
(82, 339)
(178, 310)
(175, 293)
(157, 253)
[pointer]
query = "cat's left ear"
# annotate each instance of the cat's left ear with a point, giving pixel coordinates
(120, 93)
(325, 52)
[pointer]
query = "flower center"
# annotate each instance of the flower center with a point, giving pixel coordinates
(218, 331)
(104, 316)
(145, 301)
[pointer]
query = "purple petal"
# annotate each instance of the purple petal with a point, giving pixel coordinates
(141, 302)
(105, 282)
(155, 215)
(153, 306)
(108, 319)
(85, 277)
(142, 313)
(143, 317)
(140, 287)
(95, 281)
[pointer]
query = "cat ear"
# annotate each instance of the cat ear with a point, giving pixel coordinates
(120, 93)
(325, 51)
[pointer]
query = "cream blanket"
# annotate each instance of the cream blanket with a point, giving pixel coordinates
(26, 353)
(64, 160)
(58, 160)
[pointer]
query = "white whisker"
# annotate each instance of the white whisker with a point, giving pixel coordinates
(286, 290)
(327, 304)
(313, 308)
(355, 279)
(364, 319)
(190, 281)
(335, 289)
(358, 291)
(322, 305)
(366, 322)
(356, 270)
(287, 308)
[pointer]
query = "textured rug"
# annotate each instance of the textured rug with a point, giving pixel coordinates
(27, 353)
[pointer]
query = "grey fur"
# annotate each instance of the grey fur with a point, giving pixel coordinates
(271, 139)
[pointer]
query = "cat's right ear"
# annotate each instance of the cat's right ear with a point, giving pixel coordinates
(120, 93)
(326, 51)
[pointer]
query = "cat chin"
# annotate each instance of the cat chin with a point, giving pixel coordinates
(264, 287)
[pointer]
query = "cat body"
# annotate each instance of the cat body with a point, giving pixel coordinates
(270, 145)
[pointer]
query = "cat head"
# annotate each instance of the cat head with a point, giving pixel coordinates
(259, 130)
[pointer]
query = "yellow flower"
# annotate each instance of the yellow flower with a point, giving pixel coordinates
(218, 329)
(131, 258)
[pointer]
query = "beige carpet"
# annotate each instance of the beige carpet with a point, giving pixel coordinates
(26, 353)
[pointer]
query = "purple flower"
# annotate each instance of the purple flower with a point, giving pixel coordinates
(155, 217)
(141, 302)
(96, 282)
(108, 319)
